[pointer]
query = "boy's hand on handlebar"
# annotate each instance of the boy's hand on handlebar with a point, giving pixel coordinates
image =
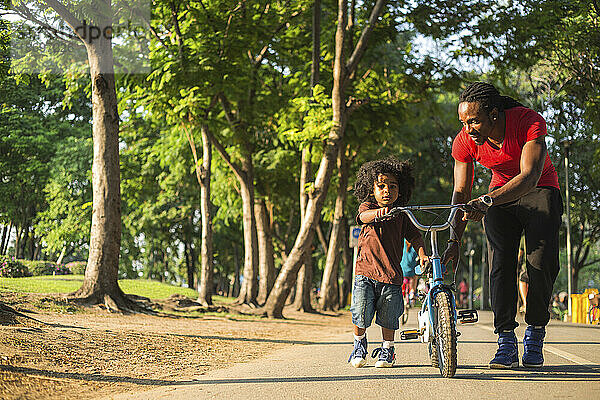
(381, 212)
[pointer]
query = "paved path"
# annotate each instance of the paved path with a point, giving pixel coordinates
(318, 370)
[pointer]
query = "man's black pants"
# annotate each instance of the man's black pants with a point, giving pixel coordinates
(538, 215)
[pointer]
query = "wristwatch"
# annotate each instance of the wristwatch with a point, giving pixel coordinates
(487, 200)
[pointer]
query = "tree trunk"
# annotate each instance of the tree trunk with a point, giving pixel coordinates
(235, 287)
(329, 284)
(249, 288)
(245, 176)
(341, 72)
(575, 278)
(266, 260)
(19, 241)
(302, 299)
(205, 288)
(37, 249)
(100, 282)
(189, 265)
(4, 238)
(32, 244)
(4, 247)
(305, 274)
(347, 262)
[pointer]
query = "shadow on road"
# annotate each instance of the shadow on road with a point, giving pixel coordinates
(557, 373)
(553, 373)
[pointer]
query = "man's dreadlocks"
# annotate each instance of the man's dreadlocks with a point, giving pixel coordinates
(488, 97)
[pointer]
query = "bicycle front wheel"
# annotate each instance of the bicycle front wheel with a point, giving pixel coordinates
(445, 335)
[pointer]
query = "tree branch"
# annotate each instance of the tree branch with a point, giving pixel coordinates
(65, 14)
(28, 15)
(229, 114)
(150, 27)
(590, 263)
(322, 238)
(223, 152)
(361, 45)
(256, 61)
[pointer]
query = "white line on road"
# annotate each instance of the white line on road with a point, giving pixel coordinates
(567, 356)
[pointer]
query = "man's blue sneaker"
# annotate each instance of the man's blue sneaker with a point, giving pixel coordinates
(358, 357)
(532, 343)
(507, 355)
(386, 357)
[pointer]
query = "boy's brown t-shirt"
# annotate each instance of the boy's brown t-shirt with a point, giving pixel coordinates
(380, 246)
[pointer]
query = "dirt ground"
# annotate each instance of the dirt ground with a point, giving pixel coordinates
(91, 353)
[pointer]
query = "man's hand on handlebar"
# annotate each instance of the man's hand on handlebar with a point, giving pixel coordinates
(474, 210)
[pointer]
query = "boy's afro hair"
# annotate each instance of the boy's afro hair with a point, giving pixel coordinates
(367, 176)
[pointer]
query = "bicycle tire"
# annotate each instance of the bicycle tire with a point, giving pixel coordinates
(445, 335)
(594, 315)
(433, 356)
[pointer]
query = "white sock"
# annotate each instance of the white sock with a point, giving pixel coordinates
(361, 337)
(387, 344)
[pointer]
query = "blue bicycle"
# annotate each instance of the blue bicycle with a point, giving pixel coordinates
(437, 317)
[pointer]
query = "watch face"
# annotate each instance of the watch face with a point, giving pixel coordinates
(487, 200)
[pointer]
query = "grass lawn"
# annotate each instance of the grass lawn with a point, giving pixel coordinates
(70, 283)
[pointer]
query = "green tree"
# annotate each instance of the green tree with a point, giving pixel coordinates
(100, 282)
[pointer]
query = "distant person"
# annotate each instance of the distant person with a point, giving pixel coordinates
(524, 197)
(564, 298)
(380, 186)
(410, 260)
(463, 291)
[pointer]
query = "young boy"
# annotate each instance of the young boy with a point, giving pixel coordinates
(380, 186)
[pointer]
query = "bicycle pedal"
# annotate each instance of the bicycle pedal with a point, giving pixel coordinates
(467, 316)
(409, 334)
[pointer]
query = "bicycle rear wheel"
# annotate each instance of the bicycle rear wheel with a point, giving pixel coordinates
(445, 335)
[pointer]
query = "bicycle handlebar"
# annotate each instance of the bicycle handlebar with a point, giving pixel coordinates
(394, 212)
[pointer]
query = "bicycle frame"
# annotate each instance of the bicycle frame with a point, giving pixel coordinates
(437, 318)
(436, 277)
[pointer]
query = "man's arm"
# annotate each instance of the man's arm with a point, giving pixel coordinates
(532, 162)
(533, 157)
(463, 180)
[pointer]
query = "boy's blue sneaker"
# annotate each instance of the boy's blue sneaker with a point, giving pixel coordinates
(532, 343)
(507, 355)
(358, 357)
(386, 357)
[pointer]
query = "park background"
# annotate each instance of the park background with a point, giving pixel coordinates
(230, 158)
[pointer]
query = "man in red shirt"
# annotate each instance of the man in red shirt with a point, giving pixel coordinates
(524, 197)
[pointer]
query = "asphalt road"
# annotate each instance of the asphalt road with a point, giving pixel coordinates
(318, 370)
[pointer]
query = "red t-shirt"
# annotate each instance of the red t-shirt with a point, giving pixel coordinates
(522, 125)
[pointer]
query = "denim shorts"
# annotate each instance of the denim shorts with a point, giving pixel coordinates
(370, 296)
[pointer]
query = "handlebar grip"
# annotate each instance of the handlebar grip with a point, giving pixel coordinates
(467, 208)
(393, 213)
